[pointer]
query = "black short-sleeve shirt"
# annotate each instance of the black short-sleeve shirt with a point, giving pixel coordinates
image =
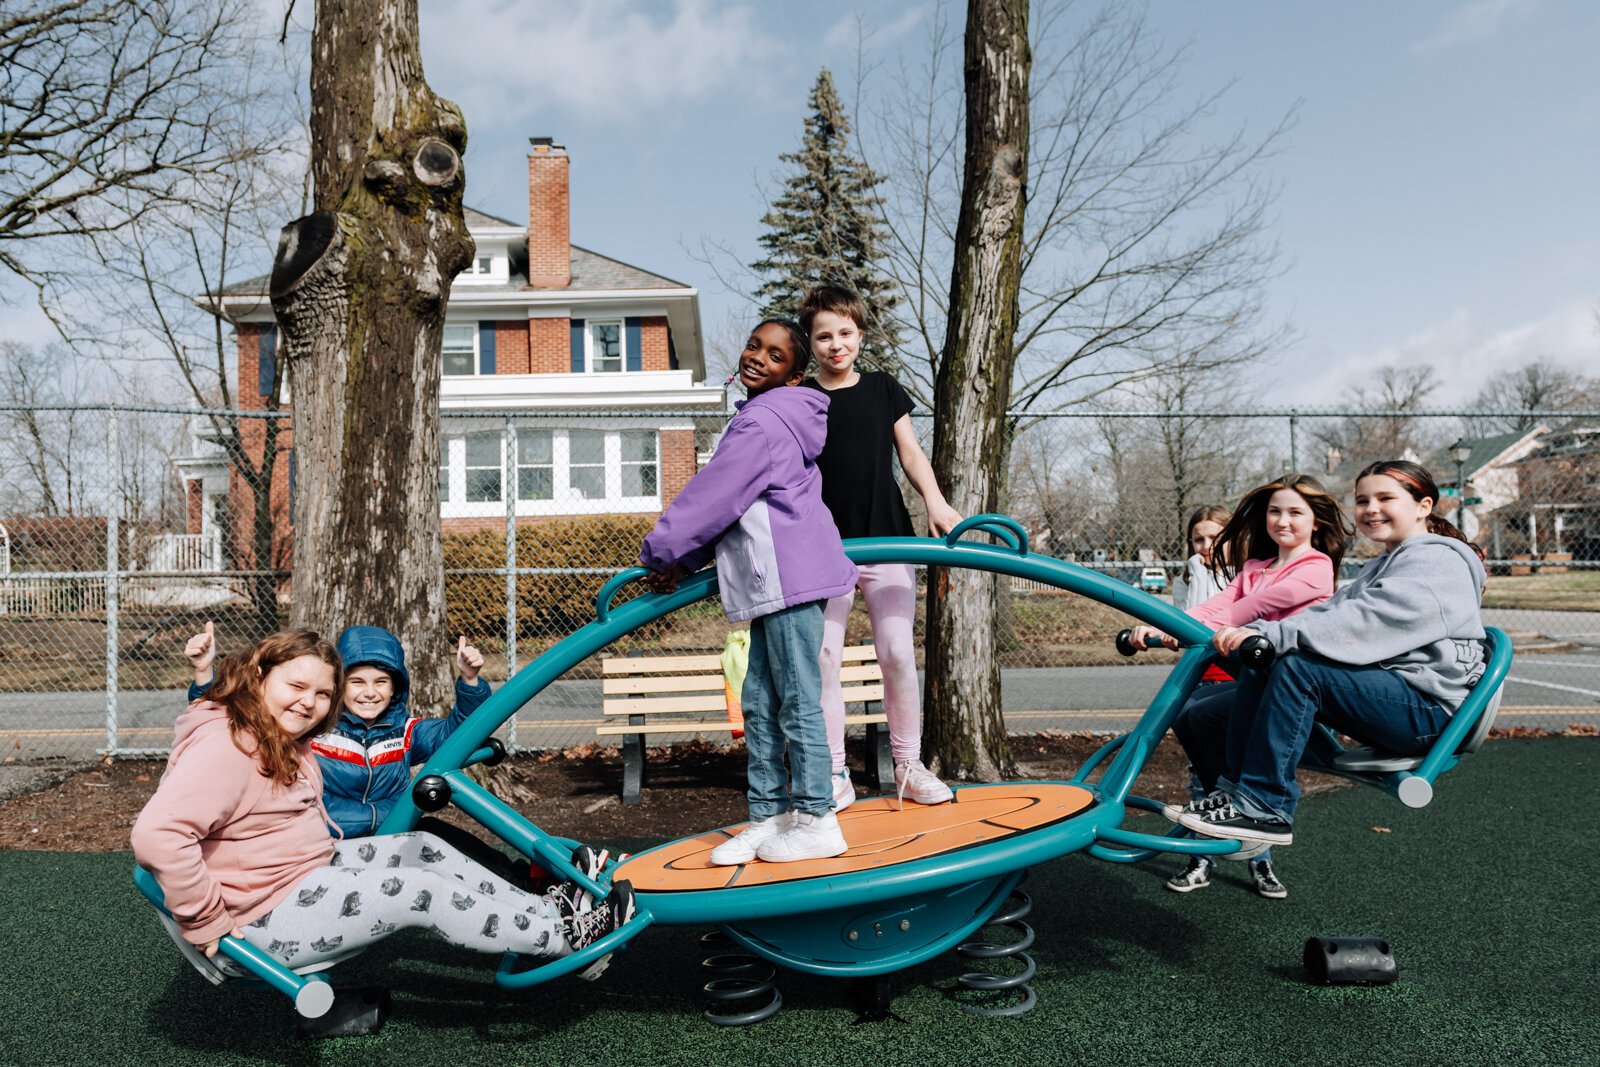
(858, 483)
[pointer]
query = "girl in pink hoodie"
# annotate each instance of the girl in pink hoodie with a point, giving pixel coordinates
(1281, 550)
(237, 838)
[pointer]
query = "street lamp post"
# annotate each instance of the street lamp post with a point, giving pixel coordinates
(1461, 451)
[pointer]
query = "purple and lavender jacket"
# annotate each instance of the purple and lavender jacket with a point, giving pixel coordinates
(759, 503)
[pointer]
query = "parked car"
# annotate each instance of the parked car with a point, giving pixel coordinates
(1153, 580)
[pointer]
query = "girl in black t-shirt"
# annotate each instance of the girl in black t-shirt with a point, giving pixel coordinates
(869, 417)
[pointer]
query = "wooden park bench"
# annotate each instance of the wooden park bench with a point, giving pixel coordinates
(646, 695)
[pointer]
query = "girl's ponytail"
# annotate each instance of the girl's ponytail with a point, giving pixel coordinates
(1420, 484)
(1438, 524)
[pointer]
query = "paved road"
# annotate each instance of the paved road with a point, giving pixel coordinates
(1549, 690)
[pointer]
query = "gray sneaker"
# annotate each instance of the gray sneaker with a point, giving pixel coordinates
(1195, 876)
(1266, 880)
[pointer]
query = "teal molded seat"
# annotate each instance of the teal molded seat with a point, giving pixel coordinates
(238, 960)
(1411, 777)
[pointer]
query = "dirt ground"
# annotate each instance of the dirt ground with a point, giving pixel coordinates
(688, 788)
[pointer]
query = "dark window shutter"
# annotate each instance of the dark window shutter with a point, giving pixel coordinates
(485, 348)
(672, 351)
(631, 327)
(267, 358)
(577, 346)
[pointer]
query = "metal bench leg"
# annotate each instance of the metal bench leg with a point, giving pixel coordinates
(880, 758)
(632, 763)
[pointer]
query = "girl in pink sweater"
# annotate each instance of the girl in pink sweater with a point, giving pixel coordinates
(237, 838)
(1286, 539)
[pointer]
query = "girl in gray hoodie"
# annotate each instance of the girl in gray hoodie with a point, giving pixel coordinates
(1387, 659)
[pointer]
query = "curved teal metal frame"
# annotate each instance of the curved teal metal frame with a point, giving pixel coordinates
(800, 924)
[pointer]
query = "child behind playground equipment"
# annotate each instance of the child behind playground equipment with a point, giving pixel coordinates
(758, 505)
(1281, 550)
(869, 416)
(237, 837)
(1199, 582)
(1386, 660)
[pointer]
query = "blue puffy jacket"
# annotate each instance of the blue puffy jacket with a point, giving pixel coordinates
(367, 767)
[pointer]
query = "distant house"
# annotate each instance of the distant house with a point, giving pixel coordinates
(1491, 481)
(576, 339)
(1558, 511)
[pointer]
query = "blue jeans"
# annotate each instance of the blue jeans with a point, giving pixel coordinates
(1202, 728)
(782, 700)
(1273, 712)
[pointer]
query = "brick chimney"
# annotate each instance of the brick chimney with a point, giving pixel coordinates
(549, 212)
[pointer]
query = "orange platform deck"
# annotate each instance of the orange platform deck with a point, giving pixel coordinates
(879, 834)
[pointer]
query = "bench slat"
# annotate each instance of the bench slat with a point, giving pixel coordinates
(628, 665)
(711, 683)
(654, 705)
(690, 727)
(659, 664)
(858, 694)
(698, 683)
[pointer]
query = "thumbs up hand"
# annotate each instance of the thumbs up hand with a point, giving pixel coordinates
(201, 652)
(469, 661)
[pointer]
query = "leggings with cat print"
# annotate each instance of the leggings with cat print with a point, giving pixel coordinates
(374, 886)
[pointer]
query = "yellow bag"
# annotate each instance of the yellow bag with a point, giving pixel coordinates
(735, 662)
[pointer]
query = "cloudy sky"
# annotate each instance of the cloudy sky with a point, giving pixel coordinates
(1437, 200)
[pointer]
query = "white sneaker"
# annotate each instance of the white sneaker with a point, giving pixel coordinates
(809, 837)
(844, 791)
(742, 847)
(913, 780)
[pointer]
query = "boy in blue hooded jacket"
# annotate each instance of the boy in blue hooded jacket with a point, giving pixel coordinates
(366, 759)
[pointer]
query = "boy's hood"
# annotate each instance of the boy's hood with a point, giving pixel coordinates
(373, 646)
(803, 411)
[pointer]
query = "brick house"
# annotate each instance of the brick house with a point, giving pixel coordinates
(575, 339)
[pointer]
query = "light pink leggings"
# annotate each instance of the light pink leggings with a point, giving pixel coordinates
(890, 590)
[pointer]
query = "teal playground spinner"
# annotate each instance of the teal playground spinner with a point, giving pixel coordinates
(910, 910)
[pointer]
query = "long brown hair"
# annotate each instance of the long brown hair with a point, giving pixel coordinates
(238, 688)
(1216, 513)
(1415, 480)
(1245, 537)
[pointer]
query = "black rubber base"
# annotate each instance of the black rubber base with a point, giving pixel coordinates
(1350, 961)
(874, 1000)
(359, 1011)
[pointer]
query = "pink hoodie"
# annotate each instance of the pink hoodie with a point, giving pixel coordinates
(1260, 591)
(225, 843)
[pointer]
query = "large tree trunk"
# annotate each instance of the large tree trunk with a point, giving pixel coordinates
(966, 733)
(359, 289)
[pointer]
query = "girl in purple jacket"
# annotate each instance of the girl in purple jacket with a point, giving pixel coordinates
(758, 505)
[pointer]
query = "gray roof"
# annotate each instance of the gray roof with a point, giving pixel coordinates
(483, 218)
(590, 271)
(1484, 451)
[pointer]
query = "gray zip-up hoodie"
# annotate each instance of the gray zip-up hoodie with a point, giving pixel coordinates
(1413, 610)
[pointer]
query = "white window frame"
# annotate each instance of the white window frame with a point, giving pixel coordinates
(563, 502)
(477, 354)
(589, 357)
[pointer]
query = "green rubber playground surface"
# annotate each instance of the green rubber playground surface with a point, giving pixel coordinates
(1491, 898)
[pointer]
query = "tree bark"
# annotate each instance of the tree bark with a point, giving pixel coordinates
(359, 289)
(966, 733)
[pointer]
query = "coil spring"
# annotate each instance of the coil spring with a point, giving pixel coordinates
(736, 977)
(1017, 907)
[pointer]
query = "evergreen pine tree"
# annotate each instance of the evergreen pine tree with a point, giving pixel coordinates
(822, 228)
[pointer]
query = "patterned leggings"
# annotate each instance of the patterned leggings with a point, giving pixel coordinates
(374, 886)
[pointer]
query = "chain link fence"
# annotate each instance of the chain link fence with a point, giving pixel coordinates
(123, 530)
